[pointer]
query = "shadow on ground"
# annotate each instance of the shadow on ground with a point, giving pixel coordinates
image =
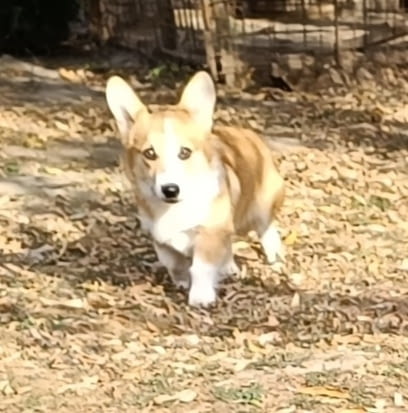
(367, 128)
(115, 252)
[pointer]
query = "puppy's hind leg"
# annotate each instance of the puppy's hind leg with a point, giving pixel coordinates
(268, 232)
(272, 244)
(230, 267)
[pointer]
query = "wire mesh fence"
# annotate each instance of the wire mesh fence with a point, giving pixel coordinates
(236, 37)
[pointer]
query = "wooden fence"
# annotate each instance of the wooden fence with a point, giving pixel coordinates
(230, 36)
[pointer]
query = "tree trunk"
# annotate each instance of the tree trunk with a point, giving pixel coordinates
(218, 42)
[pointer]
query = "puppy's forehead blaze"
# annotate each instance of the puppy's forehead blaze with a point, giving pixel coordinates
(176, 126)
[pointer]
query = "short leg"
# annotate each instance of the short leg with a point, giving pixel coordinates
(272, 244)
(204, 280)
(210, 255)
(176, 264)
(230, 267)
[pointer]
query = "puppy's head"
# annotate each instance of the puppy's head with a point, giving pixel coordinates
(167, 153)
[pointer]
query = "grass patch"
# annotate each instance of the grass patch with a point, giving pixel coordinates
(245, 395)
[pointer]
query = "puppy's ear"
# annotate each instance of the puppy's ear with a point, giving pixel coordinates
(124, 104)
(199, 97)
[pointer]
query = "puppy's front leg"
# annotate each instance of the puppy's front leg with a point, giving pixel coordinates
(211, 253)
(176, 264)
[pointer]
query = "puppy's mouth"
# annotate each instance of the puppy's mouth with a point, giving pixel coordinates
(171, 200)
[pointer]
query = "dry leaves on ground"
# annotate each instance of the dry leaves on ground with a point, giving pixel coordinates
(90, 322)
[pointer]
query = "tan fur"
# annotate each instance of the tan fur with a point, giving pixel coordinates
(251, 163)
(248, 189)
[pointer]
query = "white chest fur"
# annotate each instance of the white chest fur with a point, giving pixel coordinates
(176, 224)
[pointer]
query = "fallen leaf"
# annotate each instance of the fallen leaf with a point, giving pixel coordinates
(74, 303)
(159, 350)
(380, 404)
(268, 338)
(152, 327)
(52, 170)
(163, 398)
(186, 396)
(100, 300)
(244, 250)
(291, 238)
(4, 199)
(88, 383)
(404, 265)
(253, 347)
(5, 388)
(192, 340)
(399, 399)
(325, 391)
(241, 365)
(70, 75)
(297, 279)
(272, 321)
(295, 302)
(290, 409)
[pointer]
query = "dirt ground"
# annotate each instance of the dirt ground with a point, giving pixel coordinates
(88, 320)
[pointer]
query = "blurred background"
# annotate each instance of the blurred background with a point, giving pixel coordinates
(237, 40)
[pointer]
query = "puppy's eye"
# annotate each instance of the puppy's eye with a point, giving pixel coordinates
(150, 154)
(184, 153)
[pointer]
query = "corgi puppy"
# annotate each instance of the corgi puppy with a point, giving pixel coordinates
(196, 185)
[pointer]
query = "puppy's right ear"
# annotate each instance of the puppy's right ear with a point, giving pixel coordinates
(123, 103)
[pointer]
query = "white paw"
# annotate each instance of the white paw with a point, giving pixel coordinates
(272, 245)
(276, 255)
(230, 268)
(201, 295)
(203, 283)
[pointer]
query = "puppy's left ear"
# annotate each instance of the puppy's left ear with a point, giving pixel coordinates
(199, 97)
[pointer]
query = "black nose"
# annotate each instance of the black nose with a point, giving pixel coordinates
(170, 191)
